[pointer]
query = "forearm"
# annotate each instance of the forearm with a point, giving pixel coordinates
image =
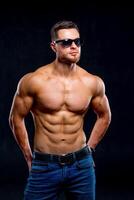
(23, 142)
(98, 131)
(21, 137)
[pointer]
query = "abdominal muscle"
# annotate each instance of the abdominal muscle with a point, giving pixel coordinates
(59, 133)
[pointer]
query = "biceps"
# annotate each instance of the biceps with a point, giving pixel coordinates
(100, 105)
(21, 106)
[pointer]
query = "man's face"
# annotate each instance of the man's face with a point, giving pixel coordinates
(67, 50)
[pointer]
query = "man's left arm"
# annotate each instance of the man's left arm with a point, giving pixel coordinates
(100, 105)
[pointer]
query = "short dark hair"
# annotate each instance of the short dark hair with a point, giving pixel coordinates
(62, 25)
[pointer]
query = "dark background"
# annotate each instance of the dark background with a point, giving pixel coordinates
(108, 32)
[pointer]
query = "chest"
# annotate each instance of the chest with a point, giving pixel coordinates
(72, 95)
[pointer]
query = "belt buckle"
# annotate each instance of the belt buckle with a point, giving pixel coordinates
(61, 160)
(67, 159)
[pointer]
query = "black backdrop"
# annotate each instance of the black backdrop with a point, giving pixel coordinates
(108, 32)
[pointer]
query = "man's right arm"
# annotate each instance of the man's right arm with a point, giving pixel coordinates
(21, 106)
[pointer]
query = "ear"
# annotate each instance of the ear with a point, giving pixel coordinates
(52, 45)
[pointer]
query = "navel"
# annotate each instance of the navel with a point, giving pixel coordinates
(63, 140)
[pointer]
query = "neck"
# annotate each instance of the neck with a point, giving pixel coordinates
(64, 69)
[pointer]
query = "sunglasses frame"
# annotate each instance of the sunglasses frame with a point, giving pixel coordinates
(68, 42)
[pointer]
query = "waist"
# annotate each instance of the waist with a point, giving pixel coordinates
(63, 159)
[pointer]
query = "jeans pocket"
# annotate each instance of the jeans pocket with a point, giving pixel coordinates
(85, 163)
(39, 167)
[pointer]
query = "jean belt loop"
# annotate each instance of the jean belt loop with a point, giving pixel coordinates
(74, 157)
(33, 155)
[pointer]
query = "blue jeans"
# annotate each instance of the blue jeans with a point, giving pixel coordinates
(48, 179)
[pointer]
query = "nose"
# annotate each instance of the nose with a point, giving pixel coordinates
(73, 44)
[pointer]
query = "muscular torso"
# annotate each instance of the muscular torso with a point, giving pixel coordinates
(58, 110)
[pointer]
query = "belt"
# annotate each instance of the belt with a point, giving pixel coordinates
(66, 159)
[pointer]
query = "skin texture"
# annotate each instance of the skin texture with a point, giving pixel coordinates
(58, 95)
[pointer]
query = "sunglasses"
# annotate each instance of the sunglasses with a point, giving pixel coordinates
(68, 42)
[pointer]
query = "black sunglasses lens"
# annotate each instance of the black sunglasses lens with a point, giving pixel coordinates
(77, 42)
(67, 43)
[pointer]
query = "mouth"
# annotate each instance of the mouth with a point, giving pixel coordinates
(73, 53)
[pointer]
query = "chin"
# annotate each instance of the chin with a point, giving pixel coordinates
(74, 60)
(70, 60)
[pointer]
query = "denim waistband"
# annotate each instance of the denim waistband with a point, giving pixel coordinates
(63, 159)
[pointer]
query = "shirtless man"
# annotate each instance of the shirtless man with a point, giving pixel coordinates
(58, 95)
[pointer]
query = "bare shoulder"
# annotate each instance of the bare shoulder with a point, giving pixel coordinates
(23, 84)
(95, 82)
(31, 81)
